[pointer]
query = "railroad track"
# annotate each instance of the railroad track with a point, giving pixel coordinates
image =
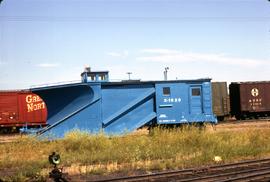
(251, 170)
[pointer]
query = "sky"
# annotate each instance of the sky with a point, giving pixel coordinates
(51, 41)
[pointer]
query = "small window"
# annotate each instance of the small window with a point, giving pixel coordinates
(166, 91)
(196, 92)
(92, 77)
(102, 77)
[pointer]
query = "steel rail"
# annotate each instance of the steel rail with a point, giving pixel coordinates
(191, 171)
(228, 175)
(260, 172)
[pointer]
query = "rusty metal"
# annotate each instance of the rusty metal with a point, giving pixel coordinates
(250, 99)
(250, 169)
(220, 100)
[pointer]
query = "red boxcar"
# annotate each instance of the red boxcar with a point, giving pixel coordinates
(20, 108)
(250, 99)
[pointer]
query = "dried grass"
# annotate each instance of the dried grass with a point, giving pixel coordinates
(161, 149)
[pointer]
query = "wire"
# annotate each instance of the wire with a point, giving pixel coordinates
(89, 19)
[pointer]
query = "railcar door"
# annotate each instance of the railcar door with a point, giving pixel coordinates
(195, 100)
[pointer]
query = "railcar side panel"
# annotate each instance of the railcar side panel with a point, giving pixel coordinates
(250, 99)
(19, 108)
(32, 109)
(184, 102)
(255, 97)
(9, 110)
(220, 99)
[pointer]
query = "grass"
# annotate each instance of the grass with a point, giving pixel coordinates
(162, 149)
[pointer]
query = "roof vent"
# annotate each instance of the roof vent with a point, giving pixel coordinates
(87, 69)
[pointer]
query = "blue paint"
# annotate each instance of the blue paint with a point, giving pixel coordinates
(122, 107)
(187, 102)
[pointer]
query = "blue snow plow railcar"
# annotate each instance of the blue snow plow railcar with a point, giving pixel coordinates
(96, 104)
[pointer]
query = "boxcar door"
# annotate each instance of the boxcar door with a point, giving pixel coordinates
(195, 100)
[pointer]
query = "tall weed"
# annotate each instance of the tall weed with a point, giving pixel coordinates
(161, 149)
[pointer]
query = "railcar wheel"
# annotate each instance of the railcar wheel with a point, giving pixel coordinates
(237, 117)
(220, 118)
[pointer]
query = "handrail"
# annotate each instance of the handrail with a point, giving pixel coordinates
(55, 84)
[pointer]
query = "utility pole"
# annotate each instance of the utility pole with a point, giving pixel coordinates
(166, 73)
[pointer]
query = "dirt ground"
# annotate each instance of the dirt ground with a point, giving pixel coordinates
(5, 138)
(240, 125)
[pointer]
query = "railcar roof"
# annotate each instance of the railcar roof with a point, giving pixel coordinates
(132, 82)
(251, 82)
(124, 82)
(15, 91)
